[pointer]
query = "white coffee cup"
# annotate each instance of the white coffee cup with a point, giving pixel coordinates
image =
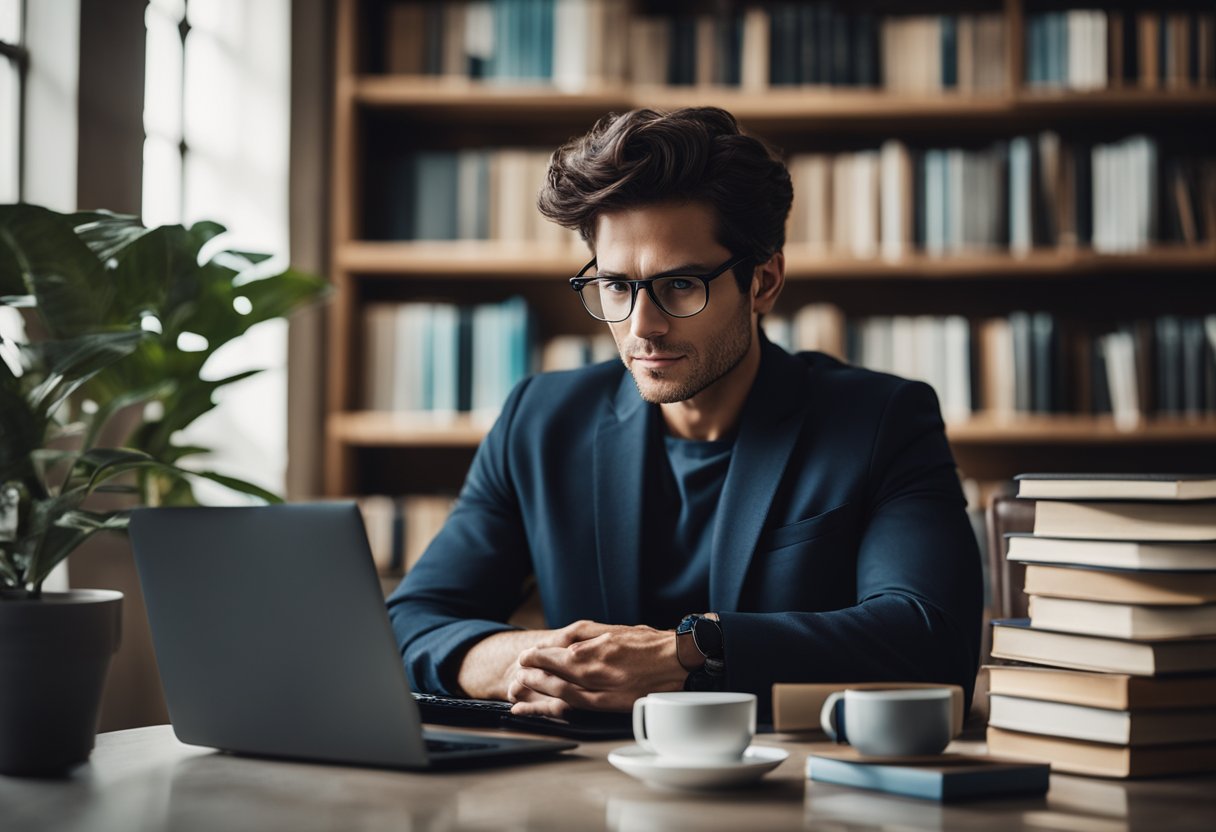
(890, 723)
(695, 726)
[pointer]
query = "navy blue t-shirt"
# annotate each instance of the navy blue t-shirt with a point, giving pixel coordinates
(679, 515)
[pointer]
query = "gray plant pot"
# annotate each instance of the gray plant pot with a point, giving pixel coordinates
(54, 653)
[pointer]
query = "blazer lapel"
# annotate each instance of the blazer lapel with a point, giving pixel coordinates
(621, 440)
(769, 426)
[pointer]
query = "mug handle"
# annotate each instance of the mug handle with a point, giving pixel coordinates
(827, 716)
(639, 724)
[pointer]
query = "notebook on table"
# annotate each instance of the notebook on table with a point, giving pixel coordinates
(272, 639)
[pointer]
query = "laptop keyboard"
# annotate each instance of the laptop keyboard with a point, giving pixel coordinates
(450, 703)
(444, 746)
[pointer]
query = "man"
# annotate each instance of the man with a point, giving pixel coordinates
(716, 514)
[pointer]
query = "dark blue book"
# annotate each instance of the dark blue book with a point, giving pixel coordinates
(808, 16)
(682, 51)
(949, 41)
(867, 63)
(841, 41)
(943, 777)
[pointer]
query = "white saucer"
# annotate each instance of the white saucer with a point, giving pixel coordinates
(757, 761)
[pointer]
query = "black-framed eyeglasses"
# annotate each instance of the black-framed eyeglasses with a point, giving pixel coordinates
(611, 299)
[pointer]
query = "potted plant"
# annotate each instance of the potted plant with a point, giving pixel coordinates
(109, 300)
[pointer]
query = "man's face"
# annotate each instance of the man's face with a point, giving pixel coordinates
(674, 359)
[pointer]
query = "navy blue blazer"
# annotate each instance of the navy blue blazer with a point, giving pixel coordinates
(841, 547)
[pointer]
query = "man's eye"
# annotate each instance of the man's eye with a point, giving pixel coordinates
(680, 284)
(615, 287)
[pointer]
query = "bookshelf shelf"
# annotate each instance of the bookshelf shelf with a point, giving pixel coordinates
(370, 429)
(410, 430)
(1074, 430)
(774, 107)
(490, 260)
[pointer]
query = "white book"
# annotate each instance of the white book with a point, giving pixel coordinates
(957, 334)
(1137, 621)
(1077, 33)
(1119, 352)
(927, 359)
(819, 210)
(1080, 722)
(1115, 554)
(380, 355)
(864, 238)
(842, 202)
(408, 380)
(754, 64)
(895, 199)
(479, 30)
(572, 42)
(1097, 49)
(486, 354)
(903, 347)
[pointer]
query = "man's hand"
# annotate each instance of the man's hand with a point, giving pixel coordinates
(594, 666)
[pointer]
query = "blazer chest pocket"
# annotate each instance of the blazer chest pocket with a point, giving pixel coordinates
(820, 525)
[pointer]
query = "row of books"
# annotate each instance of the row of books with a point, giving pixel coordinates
(400, 528)
(442, 357)
(1114, 673)
(470, 194)
(1025, 193)
(580, 44)
(1037, 363)
(1086, 49)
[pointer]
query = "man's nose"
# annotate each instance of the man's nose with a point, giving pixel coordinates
(647, 320)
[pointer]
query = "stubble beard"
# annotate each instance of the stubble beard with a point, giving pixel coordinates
(721, 355)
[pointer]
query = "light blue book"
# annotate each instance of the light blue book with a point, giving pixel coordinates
(935, 199)
(436, 184)
(944, 777)
(445, 346)
(1021, 237)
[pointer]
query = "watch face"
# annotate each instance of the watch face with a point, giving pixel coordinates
(708, 637)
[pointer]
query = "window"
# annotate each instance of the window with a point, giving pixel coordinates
(12, 70)
(216, 143)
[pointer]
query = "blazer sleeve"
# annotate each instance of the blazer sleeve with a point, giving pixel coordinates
(466, 584)
(919, 590)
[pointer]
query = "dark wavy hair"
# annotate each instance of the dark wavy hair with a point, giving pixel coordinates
(696, 154)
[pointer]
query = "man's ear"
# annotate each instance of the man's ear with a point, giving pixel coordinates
(767, 282)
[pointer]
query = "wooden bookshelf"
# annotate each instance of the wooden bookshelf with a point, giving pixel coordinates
(489, 260)
(371, 452)
(407, 430)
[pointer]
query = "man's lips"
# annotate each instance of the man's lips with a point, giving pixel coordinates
(656, 360)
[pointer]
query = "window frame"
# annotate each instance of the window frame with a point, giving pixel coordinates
(18, 55)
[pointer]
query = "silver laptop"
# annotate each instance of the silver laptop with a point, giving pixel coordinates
(273, 640)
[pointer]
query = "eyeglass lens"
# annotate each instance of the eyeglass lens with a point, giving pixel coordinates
(612, 300)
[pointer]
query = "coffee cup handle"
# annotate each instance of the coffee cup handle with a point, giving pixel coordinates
(639, 724)
(827, 716)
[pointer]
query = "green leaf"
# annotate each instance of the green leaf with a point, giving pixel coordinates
(121, 401)
(106, 233)
(71, 363)
(43, 255)
(205, 231)
(239, 485)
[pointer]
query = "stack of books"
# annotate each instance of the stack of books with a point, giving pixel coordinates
(1121, 574)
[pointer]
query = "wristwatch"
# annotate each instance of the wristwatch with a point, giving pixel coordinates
(705, 633)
